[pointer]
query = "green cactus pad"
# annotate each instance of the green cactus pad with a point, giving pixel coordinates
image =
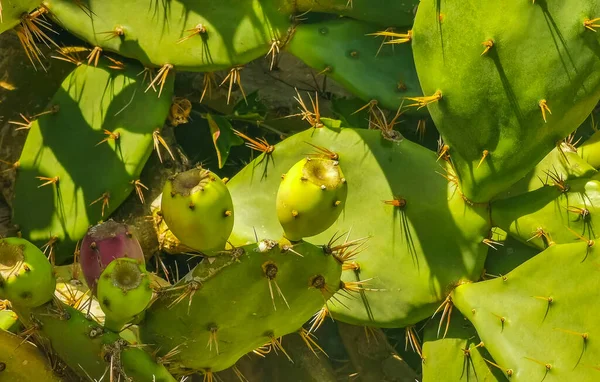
(21, 361)
(590, 150)
(87, 348)
(458, 356)
(12, 10)
(311, 196)
(422, 236)
(222, 34)
(93, 178)
(26, 277)
(537, 82)
(536, 324)
(228, 307)
(123, 292)
(557, 213)
(343, 50)
(197, 207)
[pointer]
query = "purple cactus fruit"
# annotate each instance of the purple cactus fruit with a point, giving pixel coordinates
(102, 244)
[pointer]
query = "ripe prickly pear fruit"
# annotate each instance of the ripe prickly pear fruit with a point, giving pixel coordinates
(26, 277)
(123, 291)
(311, 197)
(104, 243)
(198, 209)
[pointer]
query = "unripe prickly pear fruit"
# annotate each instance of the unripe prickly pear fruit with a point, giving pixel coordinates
(198, 209)
(104, 243)
(311, 197)
(123, 291)
(26, 277)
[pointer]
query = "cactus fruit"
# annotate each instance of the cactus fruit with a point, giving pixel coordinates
(77, 174)
(9, 321)
(26, 277)
(505, 91)
(311, 197)
(238, 303)
(104, 243)
(535, 324)
(123, 291)
(21, 361)
(394, 195)
(197, 207)
(344, 50)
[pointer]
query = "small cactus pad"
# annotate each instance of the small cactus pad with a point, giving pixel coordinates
(536, 325)
(188, 35)
(21, 361)
(311, 197)
(104, 243)
(343, 50)
(520, 78)
(26, 277)
(87, 348)
(590, 150)
(399, 202)
(79, 162)
(11, 12)
(457, 356)
(239, 302)
(123, 291)
(197, 207)
(562, 212)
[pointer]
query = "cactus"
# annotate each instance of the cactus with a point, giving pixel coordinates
(241, 301)
(9, 321)
(123, 291)
(26, 277)
(505, 92)
(526, 318)
(197, 208)
(11, 12)
(311, 197)
(76, 185)
(104, 243)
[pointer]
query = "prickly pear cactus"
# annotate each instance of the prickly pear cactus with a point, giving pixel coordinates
(505, 90)
(11, 12)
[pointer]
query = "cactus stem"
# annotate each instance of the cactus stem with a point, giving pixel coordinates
(105, 198)
(491, 243)
(273, 51)
(425, 100)
(197, 30)
(488, 44)
(318, 319)
(421, 129)
(447, 306)
(49, 180)
(411, 337)
(160, 78)
(484, 155)
(258, 144)
(109, 136)
(48, 249)
(544, 107)
(310, 341)
(234, 77)
(270, 270)
(138, 189)
(94, 56)
(508, 372)
(591, 24)
(33, 24)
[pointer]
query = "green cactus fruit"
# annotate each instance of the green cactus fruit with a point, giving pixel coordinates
(26, 277)
(123, 292)
(311, 196)
(345, 51)
(9, 321)
(21, 361)
(11, 12)
(190, 35)
(505, 90)
(87, 348)
(590, 150)
(558, 213)
(81, 161)
(419, 234)
(539, 321)
(387, 13)
(239, 302)
(197, 207)
(459, 355)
